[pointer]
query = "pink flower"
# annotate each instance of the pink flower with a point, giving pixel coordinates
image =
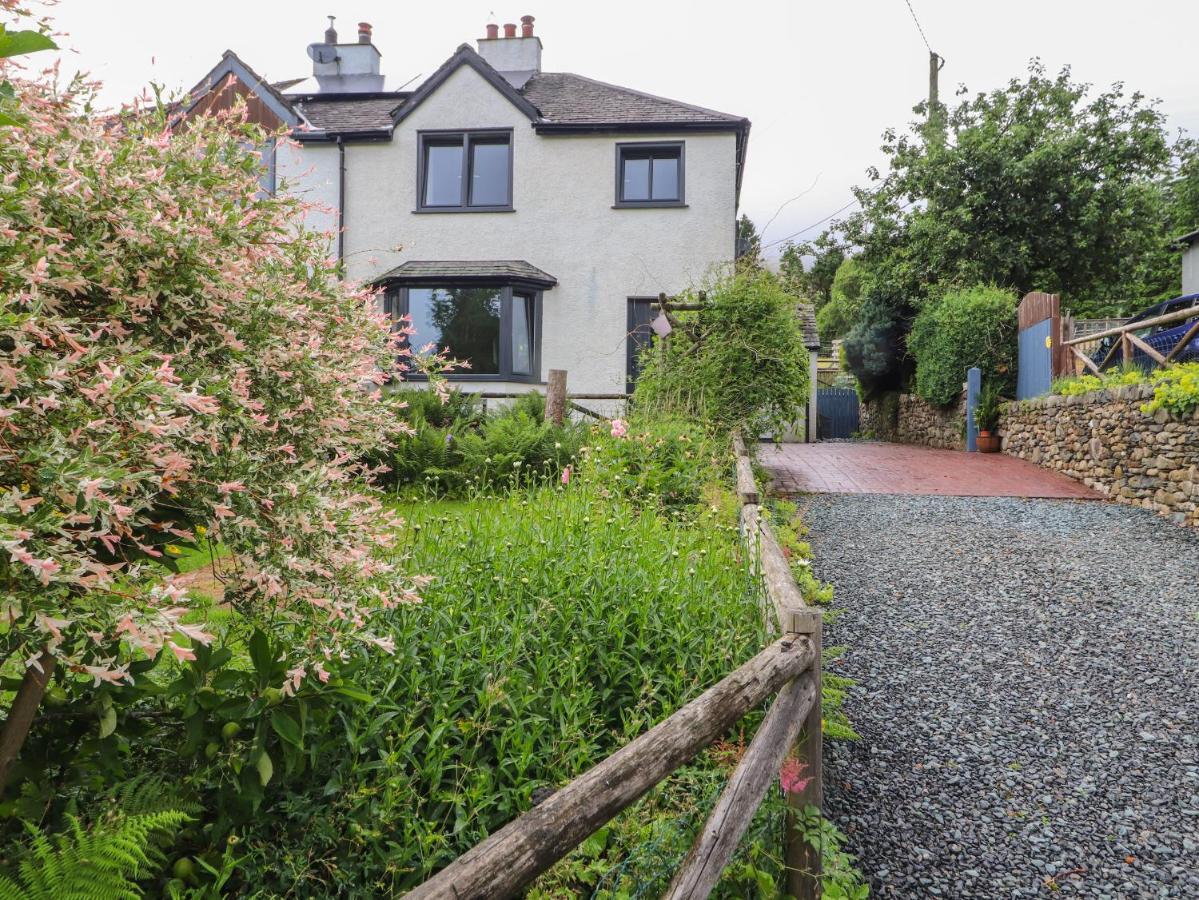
(566, 475)
(183, 654)
(321, 673)
(789, 776)
(620, 428)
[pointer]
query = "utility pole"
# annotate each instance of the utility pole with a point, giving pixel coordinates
(935, 119)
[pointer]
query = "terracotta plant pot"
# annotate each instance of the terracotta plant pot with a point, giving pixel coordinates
(987, 442)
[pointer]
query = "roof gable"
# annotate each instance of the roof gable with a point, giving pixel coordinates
(465, 56)
(232, 66)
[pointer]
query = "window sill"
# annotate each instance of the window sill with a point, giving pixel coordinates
(463, 209)
(650, 204)
(498, 379)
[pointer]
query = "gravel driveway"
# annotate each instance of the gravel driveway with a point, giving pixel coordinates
(1028, 695)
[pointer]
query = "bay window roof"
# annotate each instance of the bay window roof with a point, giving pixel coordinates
(515, 272)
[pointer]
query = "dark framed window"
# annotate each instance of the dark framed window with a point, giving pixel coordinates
(496, 329)
(650, 174)
(464, 171)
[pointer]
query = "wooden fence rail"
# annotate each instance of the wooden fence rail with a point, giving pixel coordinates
(509, 860)
(1128, 340)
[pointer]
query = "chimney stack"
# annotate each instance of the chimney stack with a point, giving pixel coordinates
(517, 58)
(526, 26)
(493, 32)
(364, 32)
(509, 30)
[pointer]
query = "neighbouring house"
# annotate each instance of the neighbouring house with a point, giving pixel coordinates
(524, 219)
(1189, 244)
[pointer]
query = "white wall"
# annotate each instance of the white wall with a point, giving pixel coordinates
(312, 173)
(1190, 269)
(564, 223)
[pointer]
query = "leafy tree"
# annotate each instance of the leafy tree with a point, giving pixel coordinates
(178, 364)
(1041, 184)
(839, 315)
(964, 328)
(814, 283)
(749, 243)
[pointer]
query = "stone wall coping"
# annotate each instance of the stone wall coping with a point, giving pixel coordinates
(1123, 393)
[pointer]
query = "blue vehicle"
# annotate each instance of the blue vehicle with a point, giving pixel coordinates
(1161, 338)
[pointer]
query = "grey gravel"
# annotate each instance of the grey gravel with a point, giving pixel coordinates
(1028, 695)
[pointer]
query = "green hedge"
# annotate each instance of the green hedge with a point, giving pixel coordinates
(974, 326)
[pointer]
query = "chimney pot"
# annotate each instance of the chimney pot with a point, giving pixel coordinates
(510, 30)
(493, 32)
(331, 32)
(364, 32)
(526, 26)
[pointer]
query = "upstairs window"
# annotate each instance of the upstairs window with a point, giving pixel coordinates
(465, 171)
(649, 174)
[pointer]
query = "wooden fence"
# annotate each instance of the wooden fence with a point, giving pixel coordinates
(1127, 342)
(789, 668)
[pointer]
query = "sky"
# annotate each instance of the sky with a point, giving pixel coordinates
(819, 81)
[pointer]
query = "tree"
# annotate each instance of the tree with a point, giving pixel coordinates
(749, 243)
(815, 282)
(178, 365)
(1039, 185)
(838, 316)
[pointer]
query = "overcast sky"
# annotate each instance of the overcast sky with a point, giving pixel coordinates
(819, 80)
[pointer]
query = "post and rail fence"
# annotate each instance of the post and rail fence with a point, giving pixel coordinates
(788, 668)
(1127, 342)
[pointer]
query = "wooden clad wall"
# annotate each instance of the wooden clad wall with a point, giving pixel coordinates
(225, 93)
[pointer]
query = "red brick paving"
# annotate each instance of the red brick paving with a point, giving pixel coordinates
(878, 468)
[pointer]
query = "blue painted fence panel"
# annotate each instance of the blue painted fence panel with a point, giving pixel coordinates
(1034, 376)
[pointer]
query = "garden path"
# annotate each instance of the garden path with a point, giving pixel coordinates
(870, 467)
(1027, 695)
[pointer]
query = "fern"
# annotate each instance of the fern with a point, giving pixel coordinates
(103, 863)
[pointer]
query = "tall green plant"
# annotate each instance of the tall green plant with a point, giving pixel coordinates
(739, 360)
(964, 328)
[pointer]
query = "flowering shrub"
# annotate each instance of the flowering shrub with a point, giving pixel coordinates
(178, 362)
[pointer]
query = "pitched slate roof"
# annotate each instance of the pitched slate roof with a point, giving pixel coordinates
(569, 99)
(807, 323)
(351, 116)
(468, 270)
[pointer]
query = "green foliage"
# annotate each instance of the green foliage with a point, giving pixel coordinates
(17, 43)
(813, 283)
(840, 314)
(964, 328)
(839, 880)
(664, 460)
(1039, 185)
(1176, 390)
(455, 449)
(739, 361)
(104, 862)
(563, 622)
(989, 407)
(749, 243)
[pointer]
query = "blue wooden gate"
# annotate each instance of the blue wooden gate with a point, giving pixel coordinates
(1035, 375)
(836, 413)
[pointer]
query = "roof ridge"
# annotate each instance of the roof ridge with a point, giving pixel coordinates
(646, 94)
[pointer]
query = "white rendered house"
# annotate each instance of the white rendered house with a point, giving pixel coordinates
(524, 219)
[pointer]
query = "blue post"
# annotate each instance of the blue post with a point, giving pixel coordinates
(974, 384)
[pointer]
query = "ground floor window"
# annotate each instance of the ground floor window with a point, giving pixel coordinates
(493, 329)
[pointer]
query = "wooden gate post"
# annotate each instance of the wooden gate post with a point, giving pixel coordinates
(555, 396)
(802, 860)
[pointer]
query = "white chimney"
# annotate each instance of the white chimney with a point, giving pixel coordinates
(339, 68)
(516, 58)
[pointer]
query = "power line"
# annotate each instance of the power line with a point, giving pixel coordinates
(918, 26)
(813, 225)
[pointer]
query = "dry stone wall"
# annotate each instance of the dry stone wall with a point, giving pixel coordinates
(931, 426)
(1108, 442)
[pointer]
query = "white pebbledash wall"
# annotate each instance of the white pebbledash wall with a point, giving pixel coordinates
(563, 192)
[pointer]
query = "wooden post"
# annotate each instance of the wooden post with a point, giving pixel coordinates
(1126, 348)
(802, 860)
(555, 396)
(22, 712)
